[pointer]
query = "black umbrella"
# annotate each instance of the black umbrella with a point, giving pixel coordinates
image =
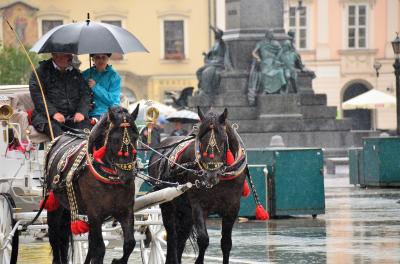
(88, 37)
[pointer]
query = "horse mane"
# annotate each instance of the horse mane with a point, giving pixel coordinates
(96, 137)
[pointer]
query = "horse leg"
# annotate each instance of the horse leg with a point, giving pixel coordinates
(59, 234)
(199, 219)
(65, 234)
(129, 239)
(97, 249)
(168, 215)
(184, 227)
(226, 240)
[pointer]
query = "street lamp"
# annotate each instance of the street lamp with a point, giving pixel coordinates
(377, 66)
(396, 65)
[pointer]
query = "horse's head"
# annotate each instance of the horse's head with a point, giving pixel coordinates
(212, 145)
(119, 139)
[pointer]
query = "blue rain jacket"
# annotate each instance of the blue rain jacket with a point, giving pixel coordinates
(107, 90)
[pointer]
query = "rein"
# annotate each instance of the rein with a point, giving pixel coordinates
(228, 173)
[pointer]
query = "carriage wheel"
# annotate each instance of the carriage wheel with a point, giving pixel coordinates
(10, 253)
(152, 248)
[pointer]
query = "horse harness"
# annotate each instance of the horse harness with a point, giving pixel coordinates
(229, 172)
(68, 154)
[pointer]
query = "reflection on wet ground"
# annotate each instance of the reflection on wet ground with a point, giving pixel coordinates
(360, 226)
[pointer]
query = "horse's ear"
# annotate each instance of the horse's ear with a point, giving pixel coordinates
(111, 116)
(135, 113)
(200, 113)
(222, 118)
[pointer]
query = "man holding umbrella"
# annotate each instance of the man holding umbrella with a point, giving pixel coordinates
(66, 92)
(75, 38)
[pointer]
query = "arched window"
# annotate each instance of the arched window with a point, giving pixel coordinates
(361, 118)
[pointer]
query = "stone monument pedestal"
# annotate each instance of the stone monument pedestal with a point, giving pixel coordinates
(302, 119)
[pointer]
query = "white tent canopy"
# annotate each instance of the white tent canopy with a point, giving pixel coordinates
(184, 116)
(372, 99)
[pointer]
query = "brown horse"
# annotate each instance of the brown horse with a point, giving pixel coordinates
(103, 184)
(219, 185)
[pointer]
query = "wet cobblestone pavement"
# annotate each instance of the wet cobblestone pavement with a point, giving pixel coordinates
(360, 226)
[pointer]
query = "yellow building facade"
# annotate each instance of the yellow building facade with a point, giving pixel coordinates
(175, 32)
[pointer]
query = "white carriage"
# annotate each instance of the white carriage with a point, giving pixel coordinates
(20, 191)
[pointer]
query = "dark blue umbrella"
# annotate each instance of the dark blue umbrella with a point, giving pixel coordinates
(88, 37)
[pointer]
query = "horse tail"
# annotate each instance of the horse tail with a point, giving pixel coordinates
(193, 239)
(261, 213)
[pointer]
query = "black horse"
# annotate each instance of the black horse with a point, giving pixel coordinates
(218, 176)
(103, 184)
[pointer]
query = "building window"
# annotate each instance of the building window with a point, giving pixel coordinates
(118, 23)
(357, 26)
(47, 25)
(174, 48)
(298, 24)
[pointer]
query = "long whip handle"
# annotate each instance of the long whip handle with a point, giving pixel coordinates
(37, 78)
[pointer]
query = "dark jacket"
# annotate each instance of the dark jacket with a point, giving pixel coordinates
(66, 92)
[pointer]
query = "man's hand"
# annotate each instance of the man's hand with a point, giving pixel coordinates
(91, 83)
(59, 117)
(78, 117)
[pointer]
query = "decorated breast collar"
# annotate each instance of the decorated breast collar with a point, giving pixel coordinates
(101, 172)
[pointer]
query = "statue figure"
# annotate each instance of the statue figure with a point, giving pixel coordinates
(215, 61)
(292, 62)
(267, 74)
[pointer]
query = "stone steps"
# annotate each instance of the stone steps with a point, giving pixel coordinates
(291, 124)
(319, 139)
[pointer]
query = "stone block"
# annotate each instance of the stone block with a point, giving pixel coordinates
(238, 113)
(318, 111)
(277, 104)
(230, 99)
(312, 99)
(234, 82)
(304, 82)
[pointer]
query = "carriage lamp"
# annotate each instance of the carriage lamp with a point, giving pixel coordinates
(396, 65)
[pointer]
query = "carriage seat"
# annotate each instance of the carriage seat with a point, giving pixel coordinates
(21, 104)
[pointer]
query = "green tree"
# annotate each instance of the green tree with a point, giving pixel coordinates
(15, 67)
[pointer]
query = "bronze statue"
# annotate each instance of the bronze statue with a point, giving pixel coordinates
(215, 61)
(292, 62)
(267, 74)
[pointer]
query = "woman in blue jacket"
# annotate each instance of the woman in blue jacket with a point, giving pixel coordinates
(105, 84)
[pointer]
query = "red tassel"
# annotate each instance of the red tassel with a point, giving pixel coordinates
(134, 151)
(212, 156)
(205, 154)
(98, 155)
(230, 159)
(52, 203)
(246, 189)
(79, 227)
(119, 153)
(261, 213)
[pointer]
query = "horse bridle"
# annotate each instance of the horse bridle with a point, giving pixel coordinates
(211, 145)
(126, 142)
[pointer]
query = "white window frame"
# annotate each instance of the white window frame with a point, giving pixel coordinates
(51, 15)
(297, 26)
(356, 26)
(174, 16)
